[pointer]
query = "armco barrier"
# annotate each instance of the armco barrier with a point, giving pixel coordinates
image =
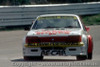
(25, 14)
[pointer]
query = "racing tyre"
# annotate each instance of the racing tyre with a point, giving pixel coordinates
(33, 57)
(89, 56)
(81, 57)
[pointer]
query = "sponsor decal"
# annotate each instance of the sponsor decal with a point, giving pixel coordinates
(54, 44)
(54, 32)
(57, 17)
(53, 52)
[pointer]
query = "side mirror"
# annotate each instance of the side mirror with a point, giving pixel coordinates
(87, 29)
(27, 28)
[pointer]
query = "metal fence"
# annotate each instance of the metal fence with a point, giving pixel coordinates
(25, 14)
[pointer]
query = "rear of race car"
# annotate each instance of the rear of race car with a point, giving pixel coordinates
(73, 45)
(68, 39)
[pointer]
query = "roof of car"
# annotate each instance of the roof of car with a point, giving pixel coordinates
(57, 15)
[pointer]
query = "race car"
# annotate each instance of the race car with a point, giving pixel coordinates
(58, 35)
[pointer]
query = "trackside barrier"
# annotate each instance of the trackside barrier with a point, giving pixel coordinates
(25, 14)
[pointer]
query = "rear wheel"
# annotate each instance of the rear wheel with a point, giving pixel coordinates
(33, 57)
(81, 57)
(89, 56)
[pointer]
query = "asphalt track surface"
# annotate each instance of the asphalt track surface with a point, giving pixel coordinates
(11, 52)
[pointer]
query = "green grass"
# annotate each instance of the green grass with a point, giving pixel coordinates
(91, 20)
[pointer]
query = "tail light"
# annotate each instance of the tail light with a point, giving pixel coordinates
(30, 39)
(74, 39)
(69, 39)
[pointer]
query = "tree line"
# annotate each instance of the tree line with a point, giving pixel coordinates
(14, 2)
(73, 1)
(25, 2)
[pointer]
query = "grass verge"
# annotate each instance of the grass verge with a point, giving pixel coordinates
(91, 20)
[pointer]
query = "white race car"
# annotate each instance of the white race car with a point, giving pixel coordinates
(57, 35)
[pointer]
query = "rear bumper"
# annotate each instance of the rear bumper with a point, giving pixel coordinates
(69, 51)
(76, 51)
